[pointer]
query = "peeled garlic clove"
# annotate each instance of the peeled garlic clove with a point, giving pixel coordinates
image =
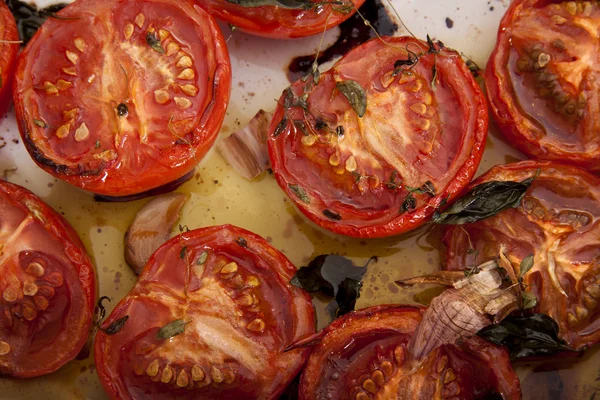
(151, 227)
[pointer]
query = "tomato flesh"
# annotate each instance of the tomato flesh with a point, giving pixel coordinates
(121, 97)
(8, 56)
(281, 22)
(232, 291)
(423, 125)
(542, 80)
(557, 222)
(364, 355)
(47, 284)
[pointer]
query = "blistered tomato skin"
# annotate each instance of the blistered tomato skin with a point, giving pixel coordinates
(121, 97)
(230, 290)
(47, 286)
(365, 355)
(417, 145)
(280, 22)
(8, 56)
(542, 80)
(558, 222)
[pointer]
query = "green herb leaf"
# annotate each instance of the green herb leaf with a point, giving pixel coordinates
(203, 257)
(171, 329)
(40, 123)
(154, 42)
(116, 326)
(300, 193)
(535, 335)
(280, 127)
(355, 94)
(182, 252)
(409, 203)
(483, 201)
(529, 300)
(526, 265)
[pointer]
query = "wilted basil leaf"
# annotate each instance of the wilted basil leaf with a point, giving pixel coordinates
(536, 335)
(116, 326)
(484, 201)
(529, 300)
(171, 329)
(355, 94)
(334, 276)
(526, 265)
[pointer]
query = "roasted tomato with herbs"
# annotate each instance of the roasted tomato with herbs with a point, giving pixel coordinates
(9, 47)
(47, 286)
(366, 355)
(119, 97)
(210, 318)
(558, 222)
(543, 80)
(373, 146)
(282, 18)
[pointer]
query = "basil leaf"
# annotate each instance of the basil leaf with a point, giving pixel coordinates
(171, 329)
(535, 335)
(355, 94)
(116, 326)
(526, 265)
(483, 201)
(529, 300)
(291, 4)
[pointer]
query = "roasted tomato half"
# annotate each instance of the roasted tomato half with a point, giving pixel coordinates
(558, 222)
(8, 55)
(118, 97)
(373, 146)
(543, 80)
(210, 318)
(366, 355)
(47, 286)
(282, 18)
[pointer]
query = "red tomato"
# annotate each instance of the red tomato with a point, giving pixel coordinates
(231, 290)
(118, 97)
(558, 222)
(8, 55)
(365, 355)
(298, 19)
(47, 286)
(418, 143)
(542, 80)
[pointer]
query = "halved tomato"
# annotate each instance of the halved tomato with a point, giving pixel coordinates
(543, 80)
(366, 355)
(558, 222)
(47, 286)
(118, 97)
(210, 318)
(8, 55)
(282, 18)
(373, 146)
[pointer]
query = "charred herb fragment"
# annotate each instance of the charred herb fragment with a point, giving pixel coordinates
(116, 326)
(300, 193)
(183, 252)
(203, 257)
(122, 110)
(409, 203)
(392, 184)
(280, 127)
(154, 42)
(40, 123)
(483, 201)
(535, 335)
(171, 329)
(331, 215)
(242, 242)
(334, 276)
(355, 94)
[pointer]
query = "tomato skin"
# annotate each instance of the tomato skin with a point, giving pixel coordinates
(398, 139)
(365, 353)
(527, 100)
(8, 56)
(277, 22)
(62, 318)
(249, 359)
(557, 222)
(118, 97)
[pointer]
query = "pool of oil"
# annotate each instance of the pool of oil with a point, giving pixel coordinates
(218, 195)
